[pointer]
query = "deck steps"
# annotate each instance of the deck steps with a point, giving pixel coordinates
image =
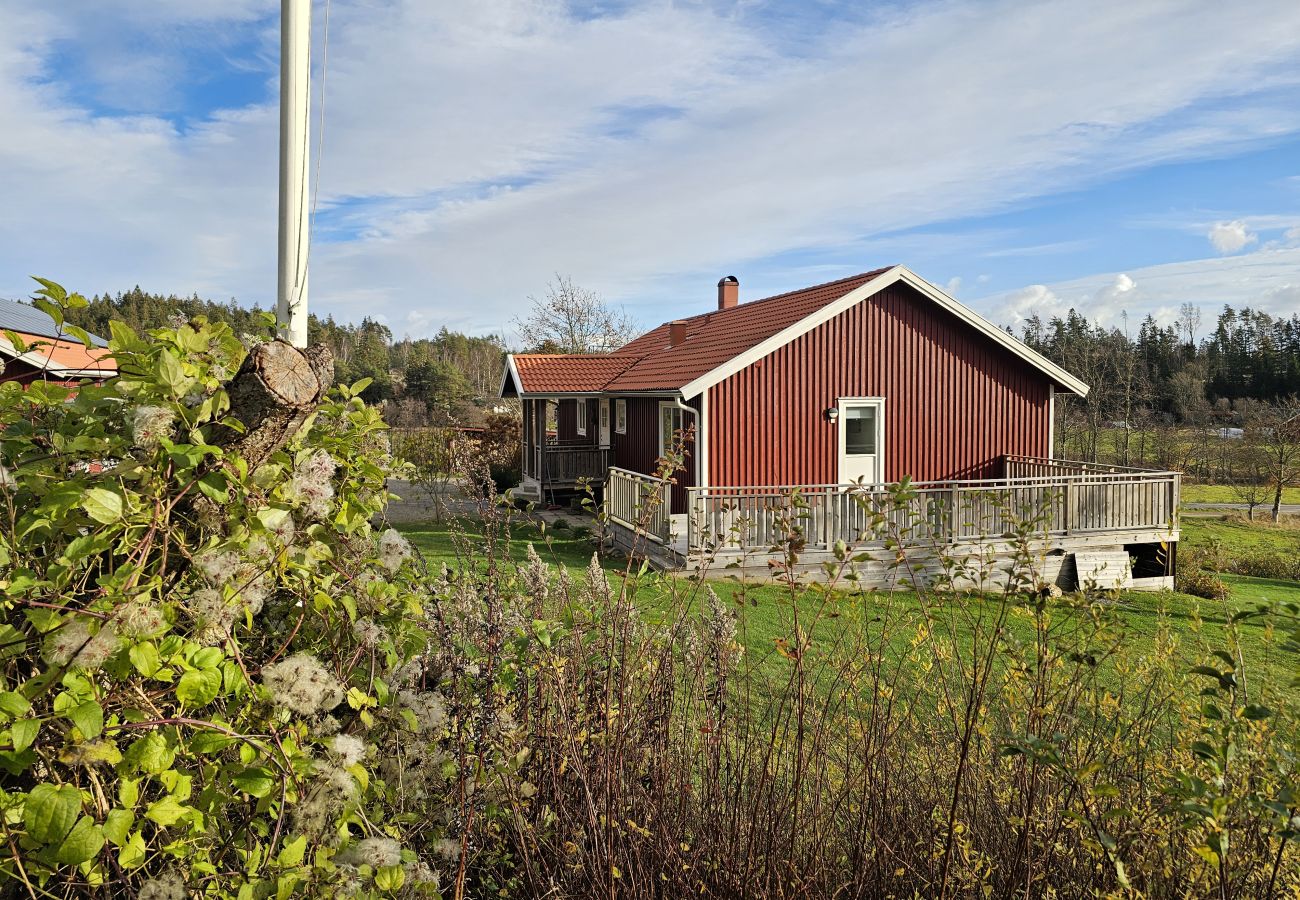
(1106, 569)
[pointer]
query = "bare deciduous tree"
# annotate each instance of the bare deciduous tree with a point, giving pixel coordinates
(1276, 434)
(572, 319)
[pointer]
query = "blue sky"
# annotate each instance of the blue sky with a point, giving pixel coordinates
(1120, 158)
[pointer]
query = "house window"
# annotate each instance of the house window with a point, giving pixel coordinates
(604, 417)
(670, 422)
(580, 416)
(620, 416)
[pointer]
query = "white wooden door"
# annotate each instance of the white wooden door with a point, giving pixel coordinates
(604, 423)
(862, 439)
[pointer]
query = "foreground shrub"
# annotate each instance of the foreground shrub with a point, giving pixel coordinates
(1195, 573)
(980, 741)
(214, 676)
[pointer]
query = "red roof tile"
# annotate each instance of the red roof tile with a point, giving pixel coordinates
(712, 338)
(715, 337)
(568, 373)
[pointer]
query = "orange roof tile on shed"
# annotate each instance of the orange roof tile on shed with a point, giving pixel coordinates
(62, 356)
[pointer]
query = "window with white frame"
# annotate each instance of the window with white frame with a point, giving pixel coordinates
(604, 416)
(670, 423)
(620, 416)
(580, 414)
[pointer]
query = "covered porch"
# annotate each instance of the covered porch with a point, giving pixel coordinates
(1086, 523)
(561, 453)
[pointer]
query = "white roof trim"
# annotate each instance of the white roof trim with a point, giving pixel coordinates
(857, 295)
(513, 374)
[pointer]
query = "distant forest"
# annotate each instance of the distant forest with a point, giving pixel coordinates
(450, 377)
(1156, 377)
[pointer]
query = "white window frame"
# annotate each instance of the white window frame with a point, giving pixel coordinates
(581, 416)
(842, 404)
(620, 416)
(603, 417)
(665, 441)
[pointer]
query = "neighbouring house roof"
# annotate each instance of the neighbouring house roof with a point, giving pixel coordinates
(27, 319)
(59, 359)
(720, 343)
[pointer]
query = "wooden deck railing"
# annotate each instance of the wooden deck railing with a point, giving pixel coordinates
(564, 464)
(639, 502)
(1065, 502)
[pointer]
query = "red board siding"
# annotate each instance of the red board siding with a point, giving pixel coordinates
(566, 420)
(954, 400)
(638, 450)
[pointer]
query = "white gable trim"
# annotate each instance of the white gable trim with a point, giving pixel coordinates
(511, 374)
(856, 296)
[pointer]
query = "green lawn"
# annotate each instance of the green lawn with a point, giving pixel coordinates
(1236, 534)
(1222, 493)
(767, 608)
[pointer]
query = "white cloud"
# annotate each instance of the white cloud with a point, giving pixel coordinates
(472, 150)
(953, 285)
(1266, 279)
(1230, 237)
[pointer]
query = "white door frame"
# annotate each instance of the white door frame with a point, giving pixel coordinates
(842, 404)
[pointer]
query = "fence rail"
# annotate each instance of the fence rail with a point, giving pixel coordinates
(639, 502)
(1068, 499)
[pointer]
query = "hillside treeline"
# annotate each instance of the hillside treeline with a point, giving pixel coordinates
(1204, 381)
(450, 377)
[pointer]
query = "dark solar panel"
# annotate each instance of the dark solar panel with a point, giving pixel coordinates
(21, 317)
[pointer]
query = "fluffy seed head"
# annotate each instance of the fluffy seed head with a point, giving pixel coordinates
(167, 886)
(302, 685)
(393, 550)
(150, 424)
(375, 852)
(349, 748)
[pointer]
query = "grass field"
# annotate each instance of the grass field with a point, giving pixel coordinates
(1222, 493)
(1198, 623)
(1236, 534)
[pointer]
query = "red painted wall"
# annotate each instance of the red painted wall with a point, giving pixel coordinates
(638, 450)
(954, 400)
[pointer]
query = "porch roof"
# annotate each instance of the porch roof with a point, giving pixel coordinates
(563, 373)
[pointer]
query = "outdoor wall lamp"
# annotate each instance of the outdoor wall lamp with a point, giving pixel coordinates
(832, 414)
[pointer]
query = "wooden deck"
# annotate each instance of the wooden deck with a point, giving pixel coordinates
(1113, 526)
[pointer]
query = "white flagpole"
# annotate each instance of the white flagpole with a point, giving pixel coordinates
(295, 93)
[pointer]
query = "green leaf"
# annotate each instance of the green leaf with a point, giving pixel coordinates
(102, 505)
(208, 658)
(24, 733)
(82, 843)
(145, 658)
(198, 687)
(170, 372)
(89, 719)
(1255, 712)
(255, 780)
(50, 812)
(14, 704)
(292, 852)
(117, 826)
(167, 811)
(133, 854)
(151, 754)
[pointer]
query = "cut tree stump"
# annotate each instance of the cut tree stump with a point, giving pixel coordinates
(274, 392)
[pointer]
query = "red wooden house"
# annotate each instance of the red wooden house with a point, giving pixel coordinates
(864, 380)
